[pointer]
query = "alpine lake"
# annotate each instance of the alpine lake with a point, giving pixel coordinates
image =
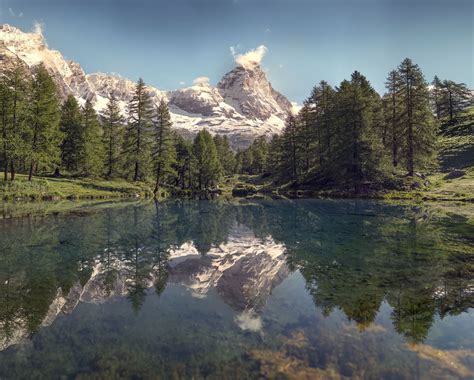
(257, 289)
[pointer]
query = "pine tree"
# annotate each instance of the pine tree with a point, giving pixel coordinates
(310, 142)
(14, 91)
(358, 153)
(260, 155)
(437, 91)
(44, 134)
(163, 150)
(289, 147)
(247, 160)
(112, 138)
(4, 138)
(208, 168)
(392, 133)
(276, 156)
(93, 158)
(73, 145)
(184, 161)
(137, 133)
(316, 118)
(454, 98)
(226, 156)
(419, 126)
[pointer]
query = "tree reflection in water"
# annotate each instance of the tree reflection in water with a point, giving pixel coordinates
(354, 257)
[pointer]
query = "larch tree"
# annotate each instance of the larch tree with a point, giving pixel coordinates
(163, 149)
(44, 135)
(137, 139)
(93, 158)
(14, 109)
(437, 92)
(207, 165)
(226, 156)
(317, 112)
(73, 145)
(419, 126)
(455, 98)
(184, 162)
(392, 128)
(359, 148)
(112, 137)
(289, 146)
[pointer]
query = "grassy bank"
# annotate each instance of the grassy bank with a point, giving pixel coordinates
(436, 187)
(441, 188)
(48, 188)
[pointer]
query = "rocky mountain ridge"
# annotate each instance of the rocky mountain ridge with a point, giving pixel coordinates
(242, 106)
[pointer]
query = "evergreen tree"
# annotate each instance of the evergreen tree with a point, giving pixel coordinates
(437, 91)
(419, 127)
(184, 162)
(238, 162)
(358, 153)
(208, 168)
(318, 128)
(163, 151)
(246, 159)
(112, 138)
(289, 147)
(275, 157)
(137, 133)
(14, 91)
(225, 154)
(73, 145)
(393, 128)
(454, 98)
(93, 159)
(260, 154)
(44, 135)
(310, 146)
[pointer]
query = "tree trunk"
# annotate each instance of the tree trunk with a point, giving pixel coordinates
(394, 134)
(12, 170)
(135, 175)
(158, 178)
(5, 170)
(451, 113)
(30, 174)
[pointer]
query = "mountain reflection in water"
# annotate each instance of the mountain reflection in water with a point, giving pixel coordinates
(302, 289)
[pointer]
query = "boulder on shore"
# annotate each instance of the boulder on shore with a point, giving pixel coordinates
(455, 174)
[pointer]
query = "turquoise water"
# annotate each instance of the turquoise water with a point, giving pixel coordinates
(271, 289)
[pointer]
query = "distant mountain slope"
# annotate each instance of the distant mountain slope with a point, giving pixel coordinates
(243, 106)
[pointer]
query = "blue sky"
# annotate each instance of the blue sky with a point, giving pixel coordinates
(169, 43)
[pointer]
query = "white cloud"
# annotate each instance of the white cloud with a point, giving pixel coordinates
(38, 27)
(201, 80)
(281, 66)
(251, 58)
(295, 107)
(13, 14)
(248, 320)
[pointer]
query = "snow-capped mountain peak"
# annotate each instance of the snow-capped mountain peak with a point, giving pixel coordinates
(242, 106)
(249, 91)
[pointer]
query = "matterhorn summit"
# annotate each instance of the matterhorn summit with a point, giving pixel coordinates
(243, 105)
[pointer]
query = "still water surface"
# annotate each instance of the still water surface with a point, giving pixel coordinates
(205, 290)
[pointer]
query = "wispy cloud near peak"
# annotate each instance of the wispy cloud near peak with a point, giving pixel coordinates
(251, 58)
